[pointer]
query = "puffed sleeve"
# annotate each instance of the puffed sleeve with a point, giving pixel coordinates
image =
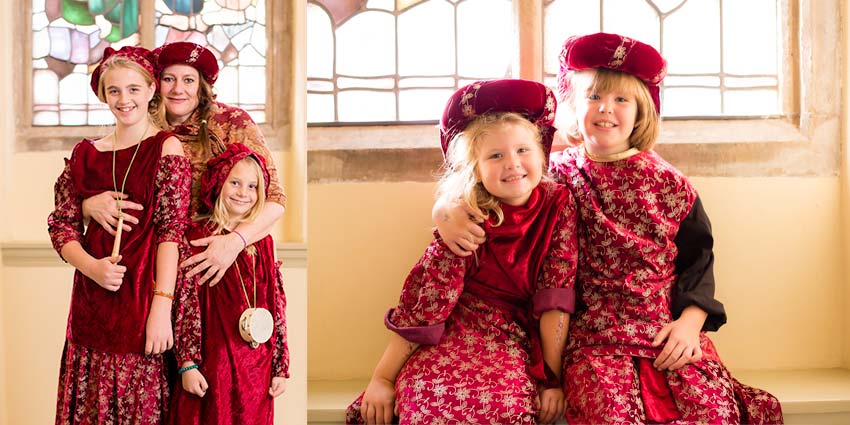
(430, 293)
(65, 223)
(187, 315)
(556, 285)
(243, 129)
(173, 185)
(695, 268)
(280, 359)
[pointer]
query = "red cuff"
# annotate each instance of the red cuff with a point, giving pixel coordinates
(546, 299)
(425, 335)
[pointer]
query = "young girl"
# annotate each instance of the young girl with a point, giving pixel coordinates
(231, 338)
(479, 339)
(120, 319)
(627, 359)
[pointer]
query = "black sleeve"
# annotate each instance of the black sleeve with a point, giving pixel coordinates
(695, 269)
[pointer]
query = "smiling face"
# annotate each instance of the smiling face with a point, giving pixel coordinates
(240, 190)
(180, 86)
(127, 93)
(510, 163)
(606, 118)
(609, 112)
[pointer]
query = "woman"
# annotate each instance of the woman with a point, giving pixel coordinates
(187, 72)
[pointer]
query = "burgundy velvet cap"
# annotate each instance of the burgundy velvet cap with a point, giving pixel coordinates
(144, 57)
(219, 167)
(612, 51)
(532, 100)
(191, 54)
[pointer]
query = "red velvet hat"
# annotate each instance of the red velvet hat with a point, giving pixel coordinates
(144, 57)
(612, 51)
(186, 53)
(219, 167)
(530, 99)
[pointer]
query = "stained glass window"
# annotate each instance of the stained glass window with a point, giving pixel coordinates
(723, 56)
(399, 60)
(69, 37)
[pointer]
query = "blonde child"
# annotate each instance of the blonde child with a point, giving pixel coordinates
(231, 338)
(112, 369)
(479, 340)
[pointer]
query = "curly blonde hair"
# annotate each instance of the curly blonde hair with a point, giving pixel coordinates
(461, 179)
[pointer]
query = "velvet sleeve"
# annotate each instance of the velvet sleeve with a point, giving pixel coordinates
(250, 135)
(173, 186)
(695, 268)
(65, 222)
(430, 293)
(280, 359)
(555, 287)
(187, 315)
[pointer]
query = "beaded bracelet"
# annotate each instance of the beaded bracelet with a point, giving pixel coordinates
(168, 295)
(186, 369)
(244, 241)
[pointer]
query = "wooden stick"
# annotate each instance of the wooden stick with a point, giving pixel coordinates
(117, 244)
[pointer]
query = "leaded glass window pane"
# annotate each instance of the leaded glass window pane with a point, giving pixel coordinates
(69, 37)
(407, 56)
(722, 55)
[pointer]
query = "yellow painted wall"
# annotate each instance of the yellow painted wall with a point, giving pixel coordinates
(778, 269)
(845, 178)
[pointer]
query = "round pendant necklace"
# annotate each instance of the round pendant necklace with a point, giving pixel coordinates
(116, 246)
(256, 323)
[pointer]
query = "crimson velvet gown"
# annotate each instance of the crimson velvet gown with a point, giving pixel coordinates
(105, 376)
(630, 212)
(227, 125)
(207, 332)
(476, 317)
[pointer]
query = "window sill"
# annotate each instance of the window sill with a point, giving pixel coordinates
(727, 148)
(58, 138)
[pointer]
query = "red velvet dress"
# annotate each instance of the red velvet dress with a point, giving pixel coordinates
(105, 376)
(629, 215)
(207, 332)
(480, 360)
(228, 125)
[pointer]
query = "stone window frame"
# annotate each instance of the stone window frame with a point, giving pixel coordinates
(804, 141)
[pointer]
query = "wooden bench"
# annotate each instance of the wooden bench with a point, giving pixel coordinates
(815, 396)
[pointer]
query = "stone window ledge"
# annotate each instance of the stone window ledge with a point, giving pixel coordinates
(715, 148)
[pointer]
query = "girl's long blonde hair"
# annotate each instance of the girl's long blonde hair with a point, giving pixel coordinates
(220, 217)
(461, 179)
(156, 109)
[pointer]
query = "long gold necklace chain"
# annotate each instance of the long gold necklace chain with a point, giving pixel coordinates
(127, 173)
(253, 278)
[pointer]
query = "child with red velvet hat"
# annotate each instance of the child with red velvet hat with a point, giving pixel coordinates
(638, 352)
(230, 338)
(119, 324)
(479, 339)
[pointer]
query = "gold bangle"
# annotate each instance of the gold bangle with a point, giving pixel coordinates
(168, 295)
